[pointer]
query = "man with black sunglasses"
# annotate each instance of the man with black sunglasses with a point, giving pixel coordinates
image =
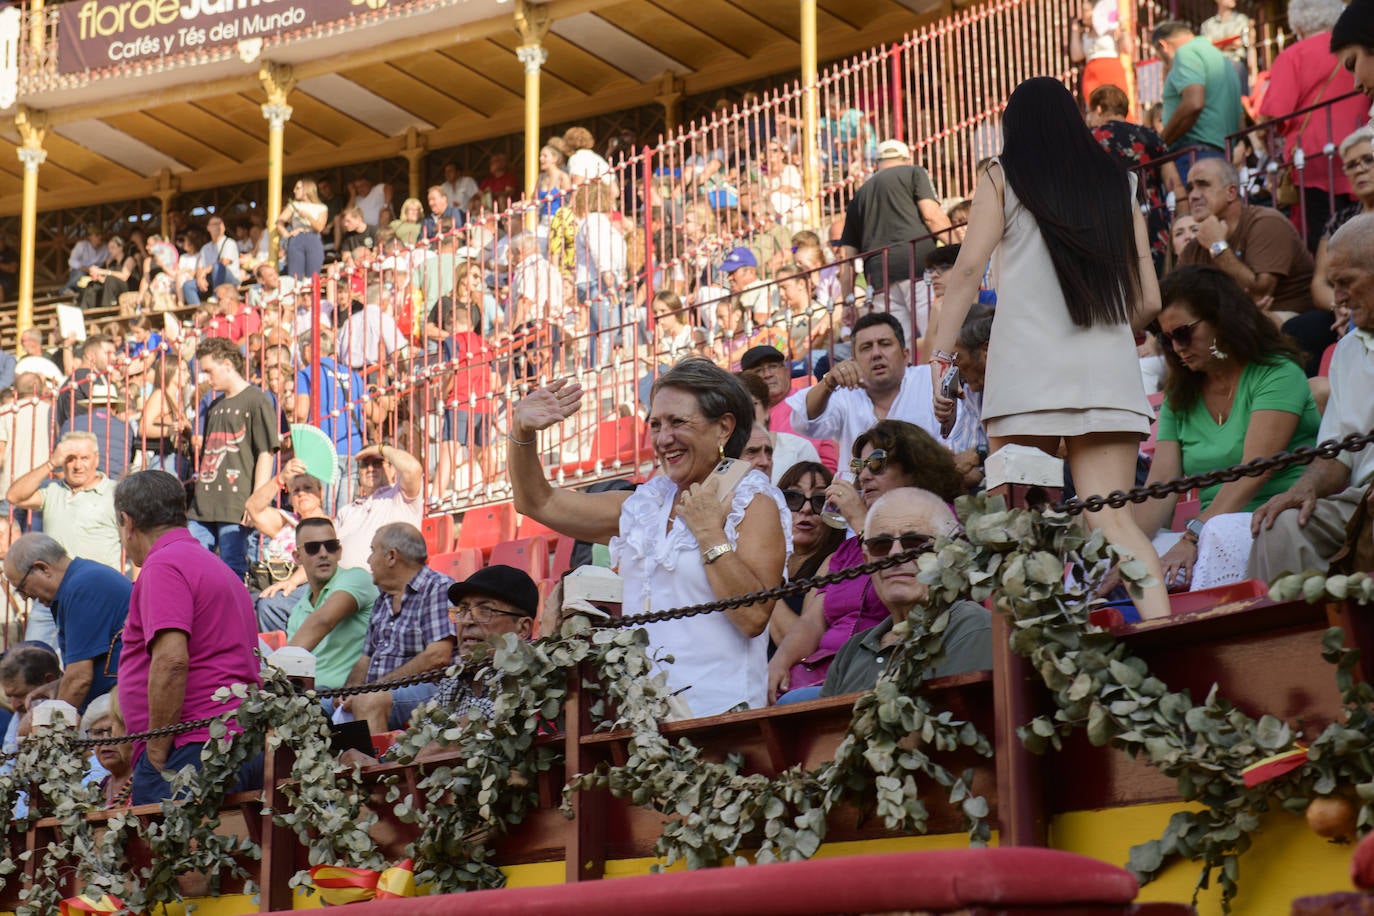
(331, 620)
(899, 521)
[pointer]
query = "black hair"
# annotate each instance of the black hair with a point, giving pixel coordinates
(1354, 28)
(32, 662)
(222, 349)
(944, 256)
(1244, 333)
(1168, 29)
(830, 538)
(1078, 195)
(873, 319)
(314, 521)
(718, 393)
(152, 499)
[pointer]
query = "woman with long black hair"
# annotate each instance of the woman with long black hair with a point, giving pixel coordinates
(1073, 263)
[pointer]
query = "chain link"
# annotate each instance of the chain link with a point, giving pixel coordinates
(1305, 454)
(1116, 499)
(181, 728)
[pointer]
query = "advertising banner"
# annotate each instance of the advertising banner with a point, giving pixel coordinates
(94, 34)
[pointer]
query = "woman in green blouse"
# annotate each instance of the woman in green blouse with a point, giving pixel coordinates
(1235, 391)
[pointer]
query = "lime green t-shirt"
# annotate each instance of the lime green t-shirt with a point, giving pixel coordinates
(338, 652)
(1199, 63)
(1207, 446)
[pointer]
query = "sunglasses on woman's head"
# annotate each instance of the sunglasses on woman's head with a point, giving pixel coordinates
(881, 545)
(876, 462)
(795, 499)
(1180, 336)
(313, 547)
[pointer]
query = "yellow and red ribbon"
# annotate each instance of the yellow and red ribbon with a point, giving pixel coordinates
(73, 906)
(339, 886)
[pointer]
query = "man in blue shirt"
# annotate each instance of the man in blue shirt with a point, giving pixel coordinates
(341, 411)
(1201, 94)
(441, 208)
(89, 601)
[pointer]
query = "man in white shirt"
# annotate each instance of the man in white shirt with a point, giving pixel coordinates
(89, 252)
(877, 384)
(218, 261)
(35, 360)
(537, 288)
(1305, 527)
(460, 188)
(369, 335)
(370, 198)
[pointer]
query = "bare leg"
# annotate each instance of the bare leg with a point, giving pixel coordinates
(1100, 463)
(444, 481)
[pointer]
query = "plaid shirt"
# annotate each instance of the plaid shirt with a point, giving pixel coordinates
(457, 696)
(394, 639)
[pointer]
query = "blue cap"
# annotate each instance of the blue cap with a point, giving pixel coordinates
(739, 257)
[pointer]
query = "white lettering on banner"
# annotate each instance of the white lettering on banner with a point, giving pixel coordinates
(258, 23)
(146, 46)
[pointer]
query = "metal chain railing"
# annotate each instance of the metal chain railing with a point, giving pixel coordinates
(181, 728)
(1116, 499)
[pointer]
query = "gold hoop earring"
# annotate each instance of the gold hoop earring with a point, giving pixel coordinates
(720, 449)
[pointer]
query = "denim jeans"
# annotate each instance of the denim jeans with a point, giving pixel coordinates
(151, 787)
(228, 540)
(605, 317)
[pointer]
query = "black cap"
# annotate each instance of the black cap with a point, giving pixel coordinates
(755, 356)
(514, 586)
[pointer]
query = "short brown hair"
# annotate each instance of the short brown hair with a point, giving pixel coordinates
(1110, 99)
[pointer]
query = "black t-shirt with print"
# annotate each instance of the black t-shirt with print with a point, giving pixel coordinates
(237, 430)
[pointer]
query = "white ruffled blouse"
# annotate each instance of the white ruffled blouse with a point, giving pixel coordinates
(715, 665)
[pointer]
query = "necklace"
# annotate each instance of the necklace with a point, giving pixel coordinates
(1227, 399)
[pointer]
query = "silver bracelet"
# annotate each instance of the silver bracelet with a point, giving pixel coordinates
(520, 441)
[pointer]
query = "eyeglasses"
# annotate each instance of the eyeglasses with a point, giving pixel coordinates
(481, 613)
(1358, 165)
(795, 499)
(1180, 336)
(876, 462)
(881, 545)
(370, 462)
(100, 733)
(313, 547)
(19, 586)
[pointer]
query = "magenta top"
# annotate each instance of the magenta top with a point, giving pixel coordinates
(851, 607)
(185, 587)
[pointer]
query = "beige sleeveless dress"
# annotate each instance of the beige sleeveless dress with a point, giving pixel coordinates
(1047, 376)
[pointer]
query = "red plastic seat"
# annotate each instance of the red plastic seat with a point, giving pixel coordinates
(457, 564)
(528, 554)
(275, 639)
(438, 532)
(1325, 369)
(1186, 509)
(620, 440)
(528, 528)
(562, 556)
(484, 528)
(1208, 598)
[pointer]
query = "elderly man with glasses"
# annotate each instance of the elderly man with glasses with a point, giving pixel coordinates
(901, 520)
(89, 601)
(331, 619)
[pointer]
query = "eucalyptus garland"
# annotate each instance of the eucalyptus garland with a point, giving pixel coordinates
(1040, 569)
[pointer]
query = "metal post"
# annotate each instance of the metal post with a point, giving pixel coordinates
(32, 128)
(648, 178)
(315, 351)
(811, 179)
(278, 82)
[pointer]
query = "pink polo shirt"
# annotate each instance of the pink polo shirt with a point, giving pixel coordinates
(185, 587)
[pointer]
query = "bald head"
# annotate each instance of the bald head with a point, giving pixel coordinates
(920, 510)
(1350, 269)
(896, 514)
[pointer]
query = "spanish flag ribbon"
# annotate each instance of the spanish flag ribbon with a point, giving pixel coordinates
(73, 906)
(339, 885)
(1274, 766)
(397, 881)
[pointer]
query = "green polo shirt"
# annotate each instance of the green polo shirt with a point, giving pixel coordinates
(968, 647)
(84, 522)
(338, 652)
(1199, 63)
